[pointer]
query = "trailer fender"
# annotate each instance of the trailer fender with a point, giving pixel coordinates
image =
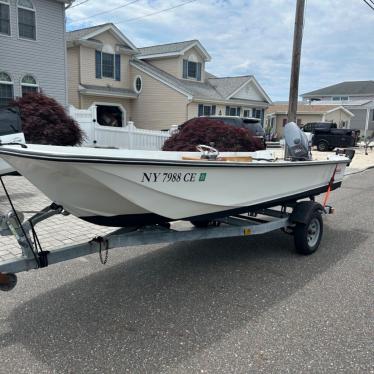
(304, 210)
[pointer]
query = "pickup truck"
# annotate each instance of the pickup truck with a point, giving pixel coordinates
(326, 136)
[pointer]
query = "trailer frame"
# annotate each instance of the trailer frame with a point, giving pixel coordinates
(288, 217)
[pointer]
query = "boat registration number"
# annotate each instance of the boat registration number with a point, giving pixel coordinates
(173, 177)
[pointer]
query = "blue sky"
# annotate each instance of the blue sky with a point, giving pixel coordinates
(252, 36)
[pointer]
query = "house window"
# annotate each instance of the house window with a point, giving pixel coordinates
(340, 98)
(26, 20)
(107, 65)
(233, 111)
(138, 84)
(206, 110)
(256, 113)
(28, 84)
(6, 89)
(246, 113)
(192, 69)
(4, 17)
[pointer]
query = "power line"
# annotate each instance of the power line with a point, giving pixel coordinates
(158, 12)
(105, 12)
(368, 4)
(82, 2)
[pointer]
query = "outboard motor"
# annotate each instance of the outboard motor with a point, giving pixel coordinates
(297, 147)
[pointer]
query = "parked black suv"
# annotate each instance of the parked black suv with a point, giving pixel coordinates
(251, 124)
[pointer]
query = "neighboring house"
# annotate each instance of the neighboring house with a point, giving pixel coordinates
(32, 49)
(276, 115)
(155, 87)
(356, 96)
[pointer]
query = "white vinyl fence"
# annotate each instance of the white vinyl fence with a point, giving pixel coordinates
(128, 137)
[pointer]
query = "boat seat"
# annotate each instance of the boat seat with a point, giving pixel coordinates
(222, 158)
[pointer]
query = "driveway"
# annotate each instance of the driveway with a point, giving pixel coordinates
(244, 305)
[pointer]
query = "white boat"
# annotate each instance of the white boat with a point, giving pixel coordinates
(115, 187)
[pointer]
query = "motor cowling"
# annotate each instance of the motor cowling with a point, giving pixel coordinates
(297, 145)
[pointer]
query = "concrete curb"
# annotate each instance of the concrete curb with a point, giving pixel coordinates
(357, 171)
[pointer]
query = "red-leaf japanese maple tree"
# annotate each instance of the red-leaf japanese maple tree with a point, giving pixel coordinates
(45, 121)
(203, 130)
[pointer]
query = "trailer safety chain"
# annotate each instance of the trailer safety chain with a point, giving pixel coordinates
(37, 259)
(327, 195)
(42, 255)
(103, 245)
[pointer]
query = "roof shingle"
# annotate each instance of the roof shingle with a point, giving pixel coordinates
(81, 33)
(166, 48)
(211, 89)
(345, 88)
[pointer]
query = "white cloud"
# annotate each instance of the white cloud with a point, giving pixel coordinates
(254, 36)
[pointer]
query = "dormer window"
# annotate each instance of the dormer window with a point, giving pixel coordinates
(26, 19)
(192, 70)
(108, 65)
(4, 17)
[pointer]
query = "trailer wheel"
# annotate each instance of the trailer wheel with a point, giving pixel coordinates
(322, 146)
(7, 281)
(308, 235)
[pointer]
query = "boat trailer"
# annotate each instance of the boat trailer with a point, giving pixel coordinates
(301, 219)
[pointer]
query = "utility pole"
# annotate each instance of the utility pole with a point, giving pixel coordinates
(296, 54)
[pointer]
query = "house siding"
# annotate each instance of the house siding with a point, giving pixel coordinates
(87, 71)
(193, 109)
(337, 116)
(73, 76)
(172, 66)
(158, 106)
(305, 118)
(329, 98)
(43, 58)
(358, 122)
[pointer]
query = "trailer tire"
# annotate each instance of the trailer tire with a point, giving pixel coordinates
(307, 236)
(7, 281)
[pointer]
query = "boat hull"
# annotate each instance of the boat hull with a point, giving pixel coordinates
(127, 192)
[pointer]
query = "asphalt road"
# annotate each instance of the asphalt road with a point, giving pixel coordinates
(247, 305)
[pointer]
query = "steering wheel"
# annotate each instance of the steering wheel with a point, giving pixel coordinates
(207, 151)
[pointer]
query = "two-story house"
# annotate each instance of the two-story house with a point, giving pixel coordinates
(32, 48)
(156, 86)
(356, 96)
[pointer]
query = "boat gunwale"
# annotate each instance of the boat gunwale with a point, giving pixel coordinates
(144, 161)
